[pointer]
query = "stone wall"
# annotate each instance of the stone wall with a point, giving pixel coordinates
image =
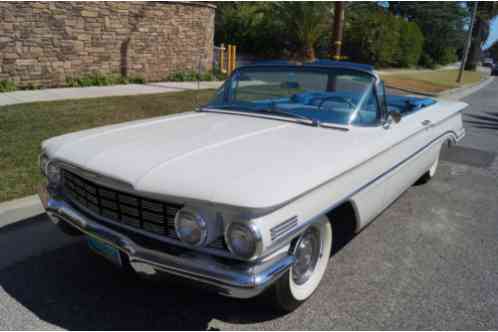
(43, 44)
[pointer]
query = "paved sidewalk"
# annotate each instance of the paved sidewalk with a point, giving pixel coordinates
(20, 209)
(31, 96)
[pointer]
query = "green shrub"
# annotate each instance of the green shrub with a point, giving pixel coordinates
(374, 38)
(183, 76)
(97, 79)
(448, 55)
(7, 86)
(136, 80)
(411, 43)
(427, 61)
(192, 76)
(382, 39)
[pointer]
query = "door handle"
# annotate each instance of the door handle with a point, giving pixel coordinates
(426, 122)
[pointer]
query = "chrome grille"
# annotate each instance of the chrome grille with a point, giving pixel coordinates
(134, 211)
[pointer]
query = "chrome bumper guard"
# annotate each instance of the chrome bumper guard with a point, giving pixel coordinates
(239, 279)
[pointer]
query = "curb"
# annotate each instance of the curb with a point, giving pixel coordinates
(464, 91)
(19, 209)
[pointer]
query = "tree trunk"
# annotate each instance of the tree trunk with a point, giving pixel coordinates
(475, 47)
(309, 53)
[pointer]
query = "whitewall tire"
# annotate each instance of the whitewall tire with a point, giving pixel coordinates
(312, 251)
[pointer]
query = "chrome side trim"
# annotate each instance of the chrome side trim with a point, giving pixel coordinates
(240, 280)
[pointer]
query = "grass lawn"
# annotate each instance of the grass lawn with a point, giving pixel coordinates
(23, 127)
(429, 82)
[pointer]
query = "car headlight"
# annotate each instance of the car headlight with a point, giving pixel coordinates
(243, 240)
(190, 227)
(53, 173)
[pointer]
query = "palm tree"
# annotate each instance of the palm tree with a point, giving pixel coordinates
(486, 12)
(304, 22)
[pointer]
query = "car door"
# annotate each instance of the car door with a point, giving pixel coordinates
(399, 163)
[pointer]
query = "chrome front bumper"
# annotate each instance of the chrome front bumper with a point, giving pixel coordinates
(239, 279)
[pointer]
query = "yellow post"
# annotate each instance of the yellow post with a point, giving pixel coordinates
(234, 57)
(229, 54)
(222, 58)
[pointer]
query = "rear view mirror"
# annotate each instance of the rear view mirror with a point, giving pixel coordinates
(290, 85)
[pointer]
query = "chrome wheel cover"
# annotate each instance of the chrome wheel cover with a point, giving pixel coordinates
(307, 252)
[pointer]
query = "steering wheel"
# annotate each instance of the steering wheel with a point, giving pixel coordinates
(341, 100)
(336, 98)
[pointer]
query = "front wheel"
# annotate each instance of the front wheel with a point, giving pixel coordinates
(312, 252)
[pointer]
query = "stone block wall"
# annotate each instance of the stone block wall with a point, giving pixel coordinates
(43, 44)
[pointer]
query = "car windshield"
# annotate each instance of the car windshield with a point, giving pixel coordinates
(320, 95)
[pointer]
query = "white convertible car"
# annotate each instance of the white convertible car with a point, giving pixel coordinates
(252, 191)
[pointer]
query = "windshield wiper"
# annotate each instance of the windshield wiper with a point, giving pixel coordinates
(314, 122)
(272, 110)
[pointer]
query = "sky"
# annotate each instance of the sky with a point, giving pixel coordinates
(493, 35)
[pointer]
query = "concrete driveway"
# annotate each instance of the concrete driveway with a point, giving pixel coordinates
(428, 262)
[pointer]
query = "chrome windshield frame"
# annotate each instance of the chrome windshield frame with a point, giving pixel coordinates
(226, 87)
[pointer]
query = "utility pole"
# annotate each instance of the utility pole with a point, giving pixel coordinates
(467, 44)
(338, 30)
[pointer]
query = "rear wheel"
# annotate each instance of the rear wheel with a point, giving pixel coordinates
(312, 252)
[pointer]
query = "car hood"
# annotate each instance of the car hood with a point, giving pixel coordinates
(236, 160)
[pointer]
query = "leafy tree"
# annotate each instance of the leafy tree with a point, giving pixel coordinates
(442, 24)
(411, 43)
(486, 12)
(246, 25)
(375, 36)
(303, 22)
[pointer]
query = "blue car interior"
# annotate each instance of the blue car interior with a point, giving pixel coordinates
(408, 104)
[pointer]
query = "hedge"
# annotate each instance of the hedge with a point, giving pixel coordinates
(384, 40)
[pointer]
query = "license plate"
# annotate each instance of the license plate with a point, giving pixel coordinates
(104, 249)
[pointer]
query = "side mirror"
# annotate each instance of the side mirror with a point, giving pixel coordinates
(395, 115)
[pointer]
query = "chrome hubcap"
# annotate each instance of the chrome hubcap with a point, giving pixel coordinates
(307, 252)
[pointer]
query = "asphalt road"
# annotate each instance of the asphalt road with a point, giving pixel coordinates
(428, 262)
